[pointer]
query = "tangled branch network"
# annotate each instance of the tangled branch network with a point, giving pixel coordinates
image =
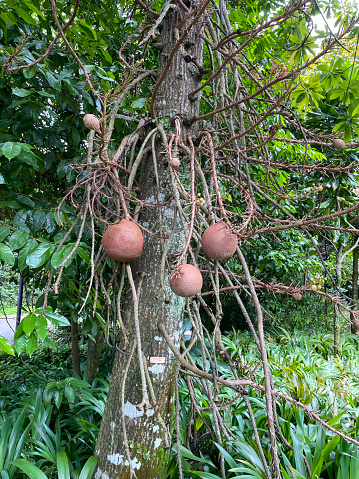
(222, 168)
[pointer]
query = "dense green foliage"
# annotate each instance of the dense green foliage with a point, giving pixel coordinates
(53, 418)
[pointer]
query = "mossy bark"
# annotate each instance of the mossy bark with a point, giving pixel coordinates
(75, 347)
(144, 430)
(94, 355)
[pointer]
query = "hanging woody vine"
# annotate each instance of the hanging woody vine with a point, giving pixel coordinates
(216, 150)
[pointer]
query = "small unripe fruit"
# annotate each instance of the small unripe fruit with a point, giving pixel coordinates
(338, 144)
(123, 242)
(91, 122)
(314, 288)
(186, 280)
(319, 287)
(320, 188)
(175, 163)
(297, 296)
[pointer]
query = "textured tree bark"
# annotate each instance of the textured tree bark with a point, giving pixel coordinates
(145, 430)
(75, 347)
(355, 322)
(94, 355)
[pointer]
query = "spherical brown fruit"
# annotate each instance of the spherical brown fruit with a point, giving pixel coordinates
(218, 243)
(123, 242)
(91, 122)
(338, 144)
(175, 163)
(297, 296)
(186, 280)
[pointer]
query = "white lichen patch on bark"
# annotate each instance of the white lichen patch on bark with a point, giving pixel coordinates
(157, 443)
(117, 459)
(101, 475)
(157, 368)
(131, 411)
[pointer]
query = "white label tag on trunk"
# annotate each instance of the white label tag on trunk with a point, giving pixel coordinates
(157, 360)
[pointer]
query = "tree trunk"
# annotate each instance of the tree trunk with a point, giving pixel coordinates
(148, 430)
(94, 355)
(75, 347)
(355, 322)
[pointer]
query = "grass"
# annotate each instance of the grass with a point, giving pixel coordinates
(9, 310)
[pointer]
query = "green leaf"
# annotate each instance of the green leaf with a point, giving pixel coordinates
(41, 326)
(70, 393)
(28, 323)
(59, 256)
(21, 92)
(27, 249)
(11, 204)
(18, 239)
(29, 72)
(4, 232)
(26, 16)
(54, 318)
(29, 469)
(6, 254)
(31, 345)
(62, 462)
(8, 17)
(6, 346)
(139, 103)
(11, 149)
(21, 342)
(54, 82)
(39, 255)
(83, 254)
(88, 469)
(295, 473)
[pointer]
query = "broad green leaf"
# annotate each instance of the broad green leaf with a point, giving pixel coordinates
(11, 204)
(39, 255)
(26, 16)
(4, 232)
(11, 149)
(29, 72)
(59, 256)
(6, 254)
(88, 469)
(189, 455)
(31, 345)
(29, 469)
(21, 343)
(62, 462)
(139, 103)
(21, 92)
(18, 239)
(296, 474)
(6, 346)
(8, 17)
(27, 249)
(54, 318)
(83, 255)
(41, 326)
(205, 475)
(28, 323)
(70, 393)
